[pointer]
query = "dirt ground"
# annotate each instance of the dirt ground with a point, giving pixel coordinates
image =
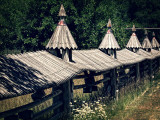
(145, 107)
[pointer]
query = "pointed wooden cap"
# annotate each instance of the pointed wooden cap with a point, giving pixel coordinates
(62, 12)
(109, 24)
(62, 37)
(145, 33)
(133, 28)
(153, 34)
(154, 42)
(146, 43)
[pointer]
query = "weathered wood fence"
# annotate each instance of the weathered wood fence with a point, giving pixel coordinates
(113, 80)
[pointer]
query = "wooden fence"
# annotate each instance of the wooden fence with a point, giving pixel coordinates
(113, 80)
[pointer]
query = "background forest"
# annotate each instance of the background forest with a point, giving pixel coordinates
(28, 24)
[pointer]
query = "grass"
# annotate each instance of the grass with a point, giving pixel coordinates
(129, 103)
(144, 107)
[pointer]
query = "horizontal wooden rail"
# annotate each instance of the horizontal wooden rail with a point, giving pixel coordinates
(79, 86)
(154, 67)
(80, 77)
(145, 67)
(41, 113)
(95, 74)
(97, 82)
(120, 70)
(57, 116)
(126, 75)
(102, 80)
(30, 105)
(154, 63)
(146, 72)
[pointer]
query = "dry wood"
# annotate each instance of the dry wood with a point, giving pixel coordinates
(97, 82)
(41, 113)
(30, 105)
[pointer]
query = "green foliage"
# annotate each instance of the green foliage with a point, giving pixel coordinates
(29, 24)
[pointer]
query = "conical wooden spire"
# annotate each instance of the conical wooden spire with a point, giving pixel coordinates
(133, 41)
(154, 42)
(109, 24)
(109, 41)
(62, 37)
(62, 12)
(146, 43)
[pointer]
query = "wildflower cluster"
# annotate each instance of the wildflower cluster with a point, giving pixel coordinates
(89, 111)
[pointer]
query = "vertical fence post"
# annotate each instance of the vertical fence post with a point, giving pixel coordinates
(89, 81)
(106, 84)
(113, 82)
(158, 64)
(150, 69)
(71, 87)
(55, 100)
(137, 72)
(66, 96)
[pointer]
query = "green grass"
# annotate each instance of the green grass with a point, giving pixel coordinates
(119, 109)
(144, 107)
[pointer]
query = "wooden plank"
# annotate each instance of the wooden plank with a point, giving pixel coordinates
(113, 82)
(154, 63)
(122, 76)
(79, 86)
(41, 113)
(30, 105)
(154, 68)
(145, 67)
(95, 74)
(57, 116)
(66, 96)
(80, 77)
(120, 70)
(150, 70)
(102, 80)
(97, 82)
(125, 75)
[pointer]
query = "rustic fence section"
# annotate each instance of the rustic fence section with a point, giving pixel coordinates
(30, 116)
(113, 81)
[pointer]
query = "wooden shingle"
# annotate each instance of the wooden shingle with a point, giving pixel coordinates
(156, 53)
(147, 55)
(26, 73)
(127, 57)
(94, 60)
